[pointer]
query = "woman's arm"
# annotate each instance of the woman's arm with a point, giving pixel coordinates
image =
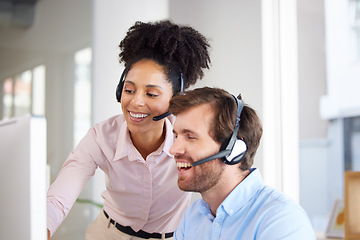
(75, 173)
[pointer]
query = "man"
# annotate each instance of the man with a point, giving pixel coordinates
(216, 141)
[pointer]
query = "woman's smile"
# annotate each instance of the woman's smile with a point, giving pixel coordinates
(137, 117)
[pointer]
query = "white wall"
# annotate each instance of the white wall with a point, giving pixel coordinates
(312, 68)
(343, 66)
(313, 159)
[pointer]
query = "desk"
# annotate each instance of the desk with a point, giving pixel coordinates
(321, 236)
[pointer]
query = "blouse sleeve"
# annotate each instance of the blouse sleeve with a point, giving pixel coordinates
(79, 167)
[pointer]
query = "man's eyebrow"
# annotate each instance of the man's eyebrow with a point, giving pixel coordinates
(185, 131)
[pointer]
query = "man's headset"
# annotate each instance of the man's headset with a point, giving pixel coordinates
(231, 151)
(120, 87)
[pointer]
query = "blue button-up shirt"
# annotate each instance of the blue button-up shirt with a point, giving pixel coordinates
(251, 211)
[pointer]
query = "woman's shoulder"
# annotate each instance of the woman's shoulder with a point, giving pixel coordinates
(112, 124)
(112, 121)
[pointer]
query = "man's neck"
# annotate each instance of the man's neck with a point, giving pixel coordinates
(229, 180)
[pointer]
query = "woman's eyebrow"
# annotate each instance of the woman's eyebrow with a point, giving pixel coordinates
(153, 85)
(128, 81)
(148, 85)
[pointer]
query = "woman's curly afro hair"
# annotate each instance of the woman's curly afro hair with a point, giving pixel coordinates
(178, 49)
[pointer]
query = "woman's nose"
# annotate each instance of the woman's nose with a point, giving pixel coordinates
(138, 99)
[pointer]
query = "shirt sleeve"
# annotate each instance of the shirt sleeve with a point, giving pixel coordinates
(79, 167)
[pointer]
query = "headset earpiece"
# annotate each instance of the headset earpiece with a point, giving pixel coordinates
(237, 153)
(120, 85)
(231, 151)
(236, 146)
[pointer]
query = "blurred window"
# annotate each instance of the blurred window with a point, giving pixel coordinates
(82, 94)
(355, 22)
(24, 93)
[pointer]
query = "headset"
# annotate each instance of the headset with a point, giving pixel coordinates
(233, 150)
(120, 87)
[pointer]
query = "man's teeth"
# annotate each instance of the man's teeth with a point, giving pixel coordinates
(138, 115)
(183, 165)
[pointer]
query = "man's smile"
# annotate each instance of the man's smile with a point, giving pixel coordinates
(183, 166)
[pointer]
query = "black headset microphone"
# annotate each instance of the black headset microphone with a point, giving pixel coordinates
(231, 151)
(120, 87)
(164, 115)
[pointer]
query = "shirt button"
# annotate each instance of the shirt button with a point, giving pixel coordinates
(217, 224)
(231, 211)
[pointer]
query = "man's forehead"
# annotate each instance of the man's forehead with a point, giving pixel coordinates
(194, 119)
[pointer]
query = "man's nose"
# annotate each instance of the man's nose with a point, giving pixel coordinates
(177, 147)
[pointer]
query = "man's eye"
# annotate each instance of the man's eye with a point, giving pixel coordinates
(191, 137)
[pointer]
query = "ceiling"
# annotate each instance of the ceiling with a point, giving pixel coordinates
(18, 13)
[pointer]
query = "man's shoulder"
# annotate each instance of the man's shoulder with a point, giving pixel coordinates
(277, 206)
(275, 199)
(274, 214)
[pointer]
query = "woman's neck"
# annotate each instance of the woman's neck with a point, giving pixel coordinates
(148, 142)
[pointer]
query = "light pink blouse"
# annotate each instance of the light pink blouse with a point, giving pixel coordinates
(141, 194)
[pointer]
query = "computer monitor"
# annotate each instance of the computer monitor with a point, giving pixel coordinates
(23, 178)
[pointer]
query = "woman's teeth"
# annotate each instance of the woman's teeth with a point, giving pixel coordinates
(138, 115)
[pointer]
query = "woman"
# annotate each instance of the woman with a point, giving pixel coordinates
(141, 199)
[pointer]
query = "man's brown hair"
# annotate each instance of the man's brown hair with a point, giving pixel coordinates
(225, 113)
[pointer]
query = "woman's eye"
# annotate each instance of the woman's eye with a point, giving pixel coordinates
(129, 91)
(152, 95)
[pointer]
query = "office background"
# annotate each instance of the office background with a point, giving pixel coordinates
(295, 62)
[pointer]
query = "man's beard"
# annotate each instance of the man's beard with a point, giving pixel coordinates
(205, 177)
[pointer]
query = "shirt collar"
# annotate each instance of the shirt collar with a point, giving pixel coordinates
(169, 135)
(125, 147)
(243, 192)
(240, 196)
